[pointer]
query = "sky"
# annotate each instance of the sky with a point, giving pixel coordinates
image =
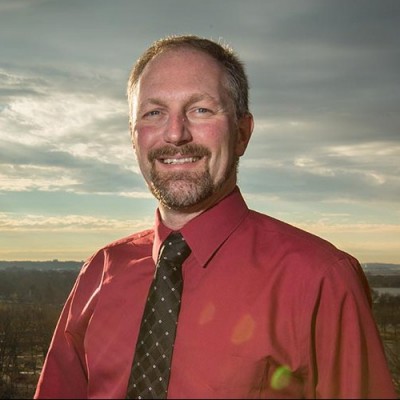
(324, 91)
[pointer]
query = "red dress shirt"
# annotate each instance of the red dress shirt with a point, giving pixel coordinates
(268, 311)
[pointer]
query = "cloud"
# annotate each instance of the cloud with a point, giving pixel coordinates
(60, 140)
(17, 4)
(329, 226)
(310, 158)
(23, 178)
(45, 118)
(11, 222)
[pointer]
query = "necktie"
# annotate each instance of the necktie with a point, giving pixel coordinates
(151, 365)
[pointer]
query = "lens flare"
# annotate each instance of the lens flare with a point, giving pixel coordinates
(243, 330)
(281, 377)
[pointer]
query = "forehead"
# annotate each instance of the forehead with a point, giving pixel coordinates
(183, 55)
(181, 65)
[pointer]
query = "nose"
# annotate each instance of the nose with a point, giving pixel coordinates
(177, 130)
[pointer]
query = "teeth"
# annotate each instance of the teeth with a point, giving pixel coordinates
(180, 160)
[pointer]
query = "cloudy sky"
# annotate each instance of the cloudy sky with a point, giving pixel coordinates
(325, 93)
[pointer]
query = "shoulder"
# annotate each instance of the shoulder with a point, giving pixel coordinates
(138, 239)
(285, 233)
(307, 261)
(298, 247)
(132, 247)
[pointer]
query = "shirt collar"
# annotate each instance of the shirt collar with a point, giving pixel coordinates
(209, 230)
(160, 234)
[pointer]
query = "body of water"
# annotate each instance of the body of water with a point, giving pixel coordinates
(394, 291)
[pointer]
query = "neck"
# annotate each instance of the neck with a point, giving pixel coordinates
(176, 219)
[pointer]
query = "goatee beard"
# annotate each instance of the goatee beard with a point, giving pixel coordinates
(184, 189)
(181, 190)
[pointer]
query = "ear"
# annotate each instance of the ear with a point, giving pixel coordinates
(131, 133)
(245, 129)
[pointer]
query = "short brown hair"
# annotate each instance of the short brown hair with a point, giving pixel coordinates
(237, 82)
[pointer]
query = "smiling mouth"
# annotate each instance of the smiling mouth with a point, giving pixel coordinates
(171, 155)
(184, 160)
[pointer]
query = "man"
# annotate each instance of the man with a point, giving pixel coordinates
(267, 310)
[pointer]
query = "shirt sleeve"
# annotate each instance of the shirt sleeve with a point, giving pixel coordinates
(64, 372)
(346, 349)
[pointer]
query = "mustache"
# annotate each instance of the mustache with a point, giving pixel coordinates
(190, 149)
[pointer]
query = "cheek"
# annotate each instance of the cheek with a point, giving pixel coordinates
(216, 135)
(141, 150)
(224, 148)
(144, 139)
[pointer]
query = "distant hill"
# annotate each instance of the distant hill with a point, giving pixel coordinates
(381, 268)
(371, 268)
(42, 265)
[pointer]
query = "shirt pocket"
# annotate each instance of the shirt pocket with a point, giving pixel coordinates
(240, 377)
(243, 377)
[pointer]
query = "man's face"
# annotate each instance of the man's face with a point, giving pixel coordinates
(185, 134)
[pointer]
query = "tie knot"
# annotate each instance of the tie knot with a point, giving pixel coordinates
(175, 248)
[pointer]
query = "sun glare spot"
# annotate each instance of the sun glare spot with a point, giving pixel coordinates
(207, 313)
(281, 378)
(244, 330)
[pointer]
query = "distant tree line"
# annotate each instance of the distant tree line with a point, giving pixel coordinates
(22, 286)
(42, 265)
(384, 281)
(25, 334)
(30, 304)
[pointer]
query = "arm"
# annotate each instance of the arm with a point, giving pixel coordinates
(348, 356)
(64, 373)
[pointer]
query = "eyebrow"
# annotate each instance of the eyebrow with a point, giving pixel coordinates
(152, 100)
(199, 97)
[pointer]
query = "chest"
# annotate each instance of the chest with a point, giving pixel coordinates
(240, 323)
(238, 330)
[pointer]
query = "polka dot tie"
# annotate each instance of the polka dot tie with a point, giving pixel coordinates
(151, 365)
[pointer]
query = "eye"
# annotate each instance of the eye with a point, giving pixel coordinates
(202, 110)
(152, 113)
(199, 113)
